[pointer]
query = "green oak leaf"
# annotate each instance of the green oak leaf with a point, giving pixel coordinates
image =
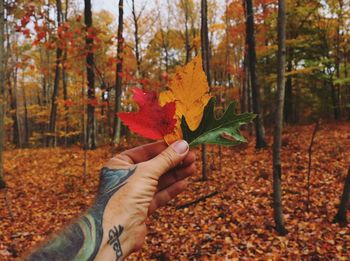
(222, 131)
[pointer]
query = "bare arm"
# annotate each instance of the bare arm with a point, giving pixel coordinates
(133, 184)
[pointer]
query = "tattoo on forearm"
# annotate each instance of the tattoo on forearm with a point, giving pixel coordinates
(82, 239)
(113, 240)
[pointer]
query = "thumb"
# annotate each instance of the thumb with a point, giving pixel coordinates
(168, 158)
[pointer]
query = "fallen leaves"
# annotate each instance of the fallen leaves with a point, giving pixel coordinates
(46, 192)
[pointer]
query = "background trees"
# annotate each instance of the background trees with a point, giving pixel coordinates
(49, 85)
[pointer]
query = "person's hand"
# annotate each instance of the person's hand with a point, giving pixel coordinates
(133, 185)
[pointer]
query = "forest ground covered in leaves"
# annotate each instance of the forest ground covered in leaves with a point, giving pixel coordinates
(46, 190)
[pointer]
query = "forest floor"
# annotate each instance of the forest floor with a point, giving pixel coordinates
(46, 191)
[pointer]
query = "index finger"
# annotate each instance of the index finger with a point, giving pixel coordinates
(144, 152)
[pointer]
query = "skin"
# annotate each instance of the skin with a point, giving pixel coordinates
(133, 185)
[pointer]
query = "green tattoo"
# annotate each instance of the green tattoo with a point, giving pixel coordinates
(83, 238)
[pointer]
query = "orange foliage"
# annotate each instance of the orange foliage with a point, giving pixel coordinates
(46, 192)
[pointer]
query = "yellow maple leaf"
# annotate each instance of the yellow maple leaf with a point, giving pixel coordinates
(189, 89)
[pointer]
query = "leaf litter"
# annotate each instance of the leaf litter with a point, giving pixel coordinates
(46, 192)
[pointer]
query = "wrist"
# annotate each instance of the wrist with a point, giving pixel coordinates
(120, 237)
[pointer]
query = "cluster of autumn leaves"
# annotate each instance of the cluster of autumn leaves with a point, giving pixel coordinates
(185, 111)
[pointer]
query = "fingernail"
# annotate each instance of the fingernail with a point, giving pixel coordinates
(180, 146)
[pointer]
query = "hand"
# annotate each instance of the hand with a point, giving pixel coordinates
(133, 185)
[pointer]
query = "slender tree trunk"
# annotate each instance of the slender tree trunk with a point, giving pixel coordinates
(227, 74)
(43, 80)
(65, 96)
(119, 78)
(348, 86)
(51, 139)
(2, 92)
(277, 137)
(26, 119)
(341, 214)
(91, 126)
(288, 105)
(335, 103)
(336, 88)
(193, 30)
(65, 81)
(259, 127)
(13, 106)
(83, 109)
(187, 34)
(136, 39)
(206, 67)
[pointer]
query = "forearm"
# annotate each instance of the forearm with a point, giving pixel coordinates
(98, 233)
(85, 239)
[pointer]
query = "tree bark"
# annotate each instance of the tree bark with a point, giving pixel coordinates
(51, 138)
(91, 126)
(288, 105)
(2, 92)
(65, 96)
(184, 4)
(136, 39)
(347, 101)
(335, 104)
(277, 137)
(336, 88)
(26, 119)
(119, 78)
(65, 80)
(206, 68)
(250, 38)
(341, 214)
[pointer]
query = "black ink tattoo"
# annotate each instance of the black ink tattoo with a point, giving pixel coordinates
(113, 240)
(83, 238)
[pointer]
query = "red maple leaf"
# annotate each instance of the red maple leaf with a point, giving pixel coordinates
(152, 120)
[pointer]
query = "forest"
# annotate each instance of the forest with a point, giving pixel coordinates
(271, 132)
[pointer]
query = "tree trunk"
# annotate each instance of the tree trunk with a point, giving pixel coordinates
(26, 120)
(65, 96)
(250, 38)
(341, 214)
(119, 78)
(193, 30)
(288, 105)
(13, 106)
(206, 68)
(91, 126)
(336, 88)
(51, 139)
(347, 101)
(136, 39)
(187, 34)
(2, 92)
(277, 137)
(65, 79)
(335, 103)
(83, 108)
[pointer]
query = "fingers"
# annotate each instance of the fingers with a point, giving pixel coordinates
(143, 153)
(162, 197)
(167, 159)
(190, 158)
(176, 175)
